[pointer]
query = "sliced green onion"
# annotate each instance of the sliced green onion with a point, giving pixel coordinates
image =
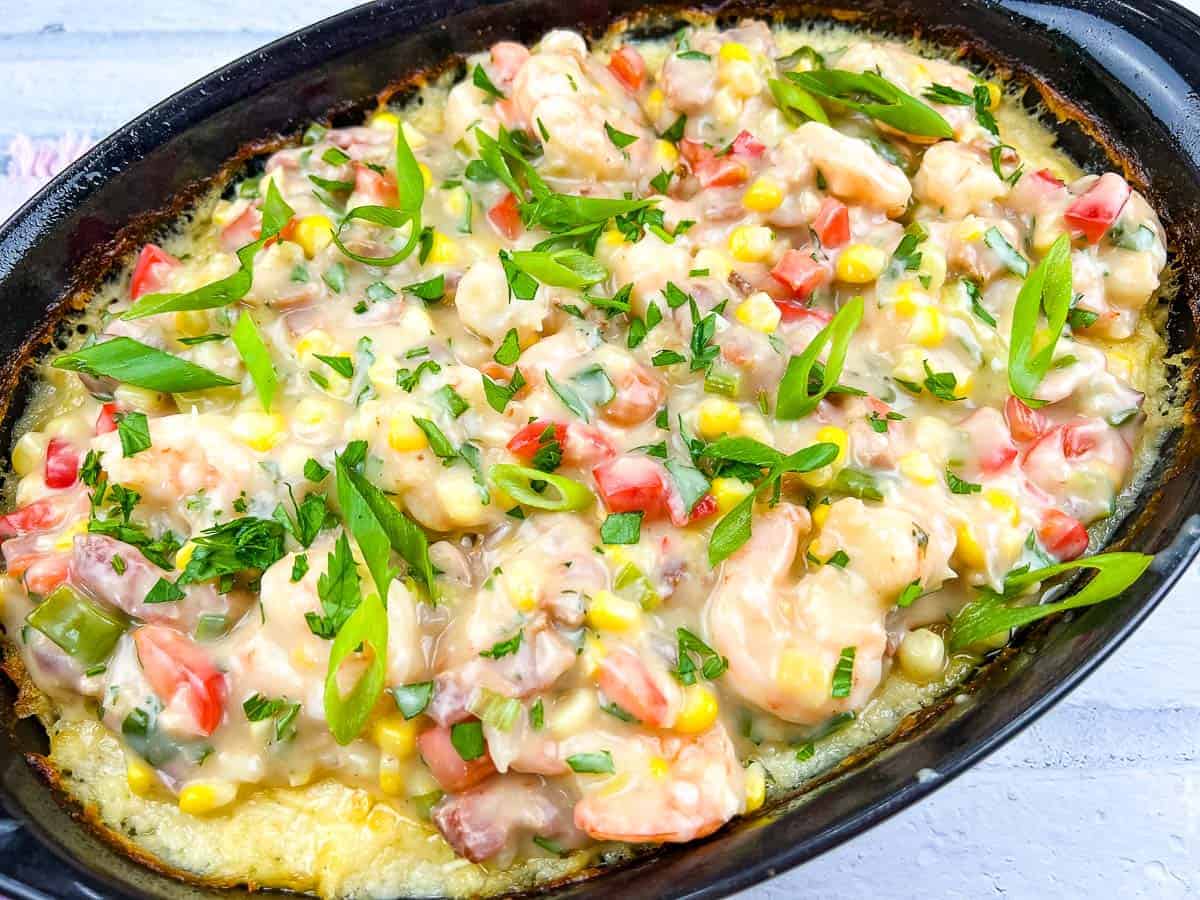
(797, 104)
(1048, 288)
(412, 699)
(630, 577)
(990, 613)
(794, 400)
(1009, 255)
(495, 710)
(257, 358)
(132, 362)
(856, 483)
(518, 482)
(598, 763)
(876, 97)
(843, 675)
(347, 715)
(723, 382)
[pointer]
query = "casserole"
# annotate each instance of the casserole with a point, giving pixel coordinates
(540, 24)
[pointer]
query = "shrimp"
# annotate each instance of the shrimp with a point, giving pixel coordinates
(955, 181)
(853, 170)
(188, 455)
(665, 788)
(646, 691)
(783, 636)
(1081, 465)
(484, 306)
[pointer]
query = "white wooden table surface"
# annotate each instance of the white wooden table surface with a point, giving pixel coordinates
(1100, 799)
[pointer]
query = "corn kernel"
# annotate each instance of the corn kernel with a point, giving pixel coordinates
(740, 77)
(313, 342)
(717, 416)
(609, 612)
(756, 786)
(522, 584)
(225, 211)
(593, 654)
(922, 655)
(313, 234)
(29, 452)
(919, 468)
(571, 712)
(665, 154)
(758, 311)
(426, 175)
(831, 434)
(415, 137)
(729, 492)
(763, 195)
(140, 777)
(443, 250)
(260, 431)
(127, 396)
(1003, 501)
(802, 676)
(860, 264)
(732, 51)
(612, 238)
(385, 121)
(699, 710)
(313, 410)
(928, 326)
(970, 552)
(654, 104)
(716, 262)
(459, 498)
(66, 540)
(391, 779)
(963, 387)
(752, 243)
(994, 94)
(970, 229)
(201, 797)
(191, 323)
(659, 767)
(395, 735)
(820, 513)
(404, 435)
(932, 269)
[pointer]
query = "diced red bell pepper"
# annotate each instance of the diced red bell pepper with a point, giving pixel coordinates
(1094, 212)
(150, 271)
(243, 230)
(107, 420)
(505, 216)
(706, 506)
(832, 223)
(746, 144)
(633, 483)
(582, 445)
(40, 515)
(528, 441)
(710, 169)
(801, 273)
(629, 68)
(1024, 424)
(175, 666)
(62, 464)
(1064, 537)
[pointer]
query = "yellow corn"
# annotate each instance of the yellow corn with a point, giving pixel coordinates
(665, 154)
(612, 238)
(659, 767)
(729, 492)
(970, 552)
(313, 234)
(405, 435)
(426, 175)
(1004, 502)
(260, 431)
(315, 341)
(699, 710)
(993, 94)
(717, 416)
(455, 202)
(183, 555)
(758, 311)
(608, 612)
(751, 243)
(932, 269)
(391, 779)
(763, 195)
(385, 120)
(831, 434)
(756, 786)
(415, 137)
(395, 735)
(963, 387)
(970, 229)
(140, 777)
(919, 468)
(459, 498)
(734, 51)
(202, 797)
(313, 410)
(142, 399)
(191, 323)
(820, 513)
(860, 264)
(593, 654)
(29, 452)
(928, 326)
(802, 676)
(443, 250)
(654, 104)
(716, 262)
(740, 77)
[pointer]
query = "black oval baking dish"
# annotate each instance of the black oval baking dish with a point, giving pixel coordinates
(1124, 81)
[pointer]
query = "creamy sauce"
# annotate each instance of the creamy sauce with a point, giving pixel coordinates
(588, 677)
